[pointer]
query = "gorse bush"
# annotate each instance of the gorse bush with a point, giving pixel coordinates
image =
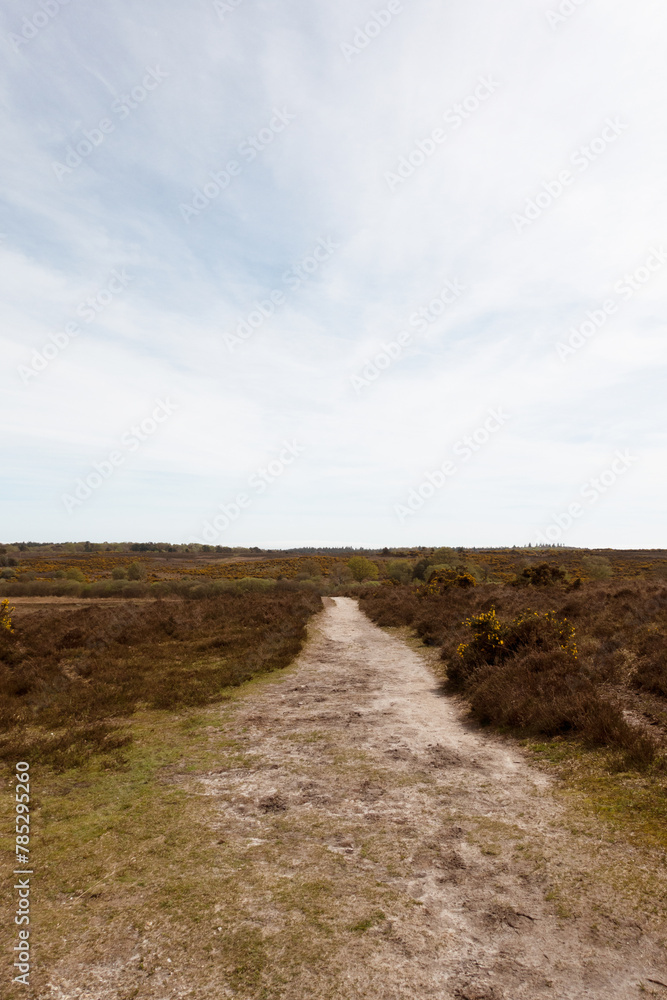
(6, 616)
(494, 641)
(442, 578)
(540, 576)
(524, 674)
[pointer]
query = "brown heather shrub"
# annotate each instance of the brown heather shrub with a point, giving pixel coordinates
(547, 694)
(69, 677)
(651, 673)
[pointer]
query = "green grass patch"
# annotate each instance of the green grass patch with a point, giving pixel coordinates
(633, 804)
(375, 918)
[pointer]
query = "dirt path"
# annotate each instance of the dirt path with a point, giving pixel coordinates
(451, 850)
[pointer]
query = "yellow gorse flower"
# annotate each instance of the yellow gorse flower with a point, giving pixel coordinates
(5, 615)
(489, 633)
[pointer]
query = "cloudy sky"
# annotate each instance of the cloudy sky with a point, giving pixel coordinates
(357, 273)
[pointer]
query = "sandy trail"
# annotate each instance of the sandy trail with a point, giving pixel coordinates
(508, 901)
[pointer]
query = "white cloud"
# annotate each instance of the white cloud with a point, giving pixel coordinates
(324, 175)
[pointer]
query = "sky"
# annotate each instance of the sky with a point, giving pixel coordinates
(303, 273)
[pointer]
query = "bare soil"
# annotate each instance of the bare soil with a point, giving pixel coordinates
(390, 850)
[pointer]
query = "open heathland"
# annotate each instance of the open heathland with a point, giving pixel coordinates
(71, 676)
(151, 570)
(332, 831)
(467, 802)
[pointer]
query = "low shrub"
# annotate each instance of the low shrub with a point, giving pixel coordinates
(40, 588)
(544, 693)
(442, 578)
(597, 567)
(493, 641)
(651, 673)
(114, 588)
(123, 587)
(542, 575)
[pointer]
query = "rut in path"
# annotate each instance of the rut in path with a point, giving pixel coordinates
(489, 853)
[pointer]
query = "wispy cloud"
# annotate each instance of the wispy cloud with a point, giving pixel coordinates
(185, 91)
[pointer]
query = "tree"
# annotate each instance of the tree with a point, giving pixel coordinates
(443, 556)
(420, 569)
(363, 569)
(340, 573)
(135, 571)
(311, 567)
(399, 570)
